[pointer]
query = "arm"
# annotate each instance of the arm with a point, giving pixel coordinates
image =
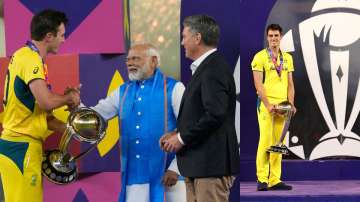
(291, 91)
(173, 166)
(215, 96)
(108, 107)
(48, 100)
(55, 124)
(176, 97)
(172, 174)
(258, 81)
(176, 142)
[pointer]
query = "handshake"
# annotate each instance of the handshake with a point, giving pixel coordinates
(170, 142)
(72, 95)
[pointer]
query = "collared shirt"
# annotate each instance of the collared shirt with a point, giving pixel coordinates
(193, 68)
(276, 87)
(198, 61)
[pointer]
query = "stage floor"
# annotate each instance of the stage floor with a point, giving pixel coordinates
(340, 191)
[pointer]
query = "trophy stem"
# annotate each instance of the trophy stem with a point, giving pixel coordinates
(285, 128)
(65, 140)
(279, 147)
(84, 125)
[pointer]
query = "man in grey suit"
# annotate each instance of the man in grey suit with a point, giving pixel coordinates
(205, 140)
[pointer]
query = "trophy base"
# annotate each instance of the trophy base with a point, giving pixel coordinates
(56, 170)
(282, 149)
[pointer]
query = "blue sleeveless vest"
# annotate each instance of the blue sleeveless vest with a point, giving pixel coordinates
(142, 123)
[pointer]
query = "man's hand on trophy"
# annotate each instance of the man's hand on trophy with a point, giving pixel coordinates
(74, 97)
(170, 178)
(270, 108)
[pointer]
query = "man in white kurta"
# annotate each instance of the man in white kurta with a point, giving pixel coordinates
(147, 106)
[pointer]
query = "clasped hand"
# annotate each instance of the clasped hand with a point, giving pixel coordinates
(169, 142)
(74, 93)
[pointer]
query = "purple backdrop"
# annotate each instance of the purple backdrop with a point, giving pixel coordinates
(96, 72)
(226, 13)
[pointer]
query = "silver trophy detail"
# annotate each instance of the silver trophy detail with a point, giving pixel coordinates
(283, 109)
(84, 125)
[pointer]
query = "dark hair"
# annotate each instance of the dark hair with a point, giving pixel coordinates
(273, 27)
(206, 26)
(46, 21)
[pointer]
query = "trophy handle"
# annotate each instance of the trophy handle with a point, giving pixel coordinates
(279, 147)
(83, 153)
(85, 125)
(285, 128)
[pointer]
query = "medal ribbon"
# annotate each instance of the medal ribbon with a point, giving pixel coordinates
(279, 67)
(32, 46)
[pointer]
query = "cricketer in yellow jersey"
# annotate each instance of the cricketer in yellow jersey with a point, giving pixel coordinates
(272, 72)
(28, 102)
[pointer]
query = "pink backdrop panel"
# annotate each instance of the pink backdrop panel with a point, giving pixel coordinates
(100, 32)
(103, 186)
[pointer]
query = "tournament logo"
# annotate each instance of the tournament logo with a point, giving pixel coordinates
(325, 44)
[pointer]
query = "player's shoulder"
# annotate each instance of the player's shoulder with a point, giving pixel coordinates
(261, 53)
(287, 55)
(26, 54)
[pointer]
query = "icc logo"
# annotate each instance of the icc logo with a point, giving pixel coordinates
(323, 36)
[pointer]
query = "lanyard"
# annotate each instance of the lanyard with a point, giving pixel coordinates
(32, 46)
(279, 67)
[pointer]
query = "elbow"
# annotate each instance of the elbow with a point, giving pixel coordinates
(216, 119)
(45, 105)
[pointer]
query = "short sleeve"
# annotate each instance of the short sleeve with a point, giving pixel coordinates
(290, 63)
(257, 63)
(33, 69)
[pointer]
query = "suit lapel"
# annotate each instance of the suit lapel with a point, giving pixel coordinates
(194, 77)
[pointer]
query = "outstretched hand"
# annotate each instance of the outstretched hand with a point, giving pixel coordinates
(74, 93)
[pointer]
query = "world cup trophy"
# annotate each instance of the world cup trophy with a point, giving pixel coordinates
(283, 109)
(84, 125)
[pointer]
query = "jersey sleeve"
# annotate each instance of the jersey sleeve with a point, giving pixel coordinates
(33, 69)
(291, 64)
(257, 63)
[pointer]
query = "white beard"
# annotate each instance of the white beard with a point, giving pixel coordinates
(140, 74)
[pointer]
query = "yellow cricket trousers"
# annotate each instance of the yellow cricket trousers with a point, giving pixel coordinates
(268, 165)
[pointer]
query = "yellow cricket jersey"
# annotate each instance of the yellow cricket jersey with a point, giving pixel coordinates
(275, 86)
(22, 114)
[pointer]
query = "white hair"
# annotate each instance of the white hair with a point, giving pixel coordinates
(152, 51)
